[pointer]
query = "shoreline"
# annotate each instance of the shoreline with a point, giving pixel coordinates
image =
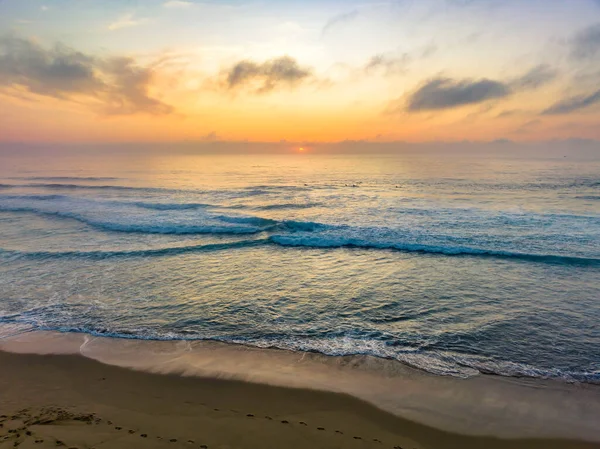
(489, 407)
(80, 402)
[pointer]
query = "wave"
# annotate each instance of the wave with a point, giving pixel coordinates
(434, 362)
(67, 178)
(287, 206)
(159, 206)
(34, 197)
(588, 197)
(141, 204)
(197, 218)
(345, 242)
(245, 191)
(290, 241)
(170, 206)
(149, 228)
(64, 186)
(158, 252)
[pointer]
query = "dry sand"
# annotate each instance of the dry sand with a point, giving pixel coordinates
(50, 401)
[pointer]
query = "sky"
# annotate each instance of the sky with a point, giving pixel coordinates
(299, 70)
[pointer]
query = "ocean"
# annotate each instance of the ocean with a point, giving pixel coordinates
(454, 264)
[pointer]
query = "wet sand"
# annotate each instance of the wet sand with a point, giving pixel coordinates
(49, 401)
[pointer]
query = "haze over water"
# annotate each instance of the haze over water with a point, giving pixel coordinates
(457, 264)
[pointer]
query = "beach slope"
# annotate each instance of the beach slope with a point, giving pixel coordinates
(49, 401)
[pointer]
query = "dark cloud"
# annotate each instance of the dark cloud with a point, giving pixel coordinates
(268, 75)
(573, 104)
(55, 72)
(446, 93)
(339, 19)
(586, 44)
(536, 77)
(118, 84)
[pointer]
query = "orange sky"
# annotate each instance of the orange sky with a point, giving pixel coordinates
(299, 71)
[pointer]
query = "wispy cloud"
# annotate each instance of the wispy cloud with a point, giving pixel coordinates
(536, 77)
(389, 64)
(573, 104)
(338, 20)
(120, 85)
(126, 21)
(177, 4)
(266, 76)
(392, 64)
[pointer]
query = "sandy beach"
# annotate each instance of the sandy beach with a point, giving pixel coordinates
(50, 401)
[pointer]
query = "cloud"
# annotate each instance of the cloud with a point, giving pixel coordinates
(126, 21)
(446, 93)
(387, 63)
(177, 4)
(57, 72)
(392, 64)
(118, 84)
(586, 44)
(511, 113)
(266, 76)
(339, 19)
(573, 104)
(527, 126)
(536, 77)
(128, 93)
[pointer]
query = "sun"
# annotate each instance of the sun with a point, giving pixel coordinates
(301, 149)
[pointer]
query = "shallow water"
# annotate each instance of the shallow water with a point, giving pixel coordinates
(456, 265)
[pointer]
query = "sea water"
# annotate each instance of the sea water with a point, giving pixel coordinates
(455, 264)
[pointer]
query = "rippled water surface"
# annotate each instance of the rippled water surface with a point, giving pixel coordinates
(453, 264)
